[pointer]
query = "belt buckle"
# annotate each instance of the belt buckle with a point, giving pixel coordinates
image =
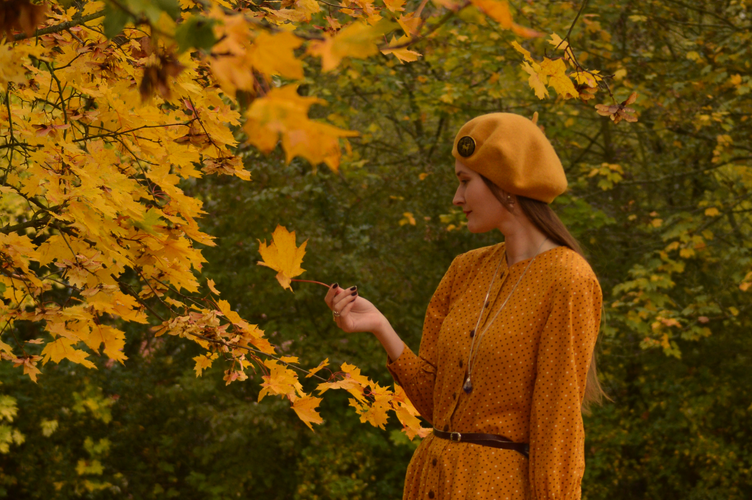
(452, 436)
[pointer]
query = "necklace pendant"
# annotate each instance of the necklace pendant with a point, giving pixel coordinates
(468, 386)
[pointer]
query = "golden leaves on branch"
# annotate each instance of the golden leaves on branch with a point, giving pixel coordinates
(373, 402)
(582, 83)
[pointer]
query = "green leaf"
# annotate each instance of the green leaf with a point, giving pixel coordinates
(195, 32)
(172, 7)
(115, 20)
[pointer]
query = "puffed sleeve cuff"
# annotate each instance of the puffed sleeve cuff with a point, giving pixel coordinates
(416, 376)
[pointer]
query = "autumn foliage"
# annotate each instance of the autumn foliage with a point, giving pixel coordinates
(109, 108)
(128, 132)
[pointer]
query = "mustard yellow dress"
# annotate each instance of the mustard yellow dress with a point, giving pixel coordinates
(528, 377)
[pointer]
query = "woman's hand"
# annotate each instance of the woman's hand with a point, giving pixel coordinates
(353, 313)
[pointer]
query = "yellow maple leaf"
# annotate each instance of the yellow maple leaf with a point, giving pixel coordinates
(358, 40)
(62, 348)
(496, 10)
(558, 43)
(525, 53)
(395, 5)
(9, 350)
(283, 256)
(273, 54)
(555, 70)
(283, 112)
(374, 411)
(321, 366)
(210, 283)
(113, 340)
(203, 362)
(281, 381)
(411, 423)
(409, 24)
(305, 407)
(535, 81)
(401, 52)
(306, 8)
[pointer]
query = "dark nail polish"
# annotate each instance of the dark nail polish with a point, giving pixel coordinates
(353, 288)
(335, 286)
(354, 294)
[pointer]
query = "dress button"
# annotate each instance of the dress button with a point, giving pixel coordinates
(454, 395)
(472, 333)
(446, 428)
(433, 462)
(461, 363)
(430, 494)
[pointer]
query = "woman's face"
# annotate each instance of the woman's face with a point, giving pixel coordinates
(483, 210)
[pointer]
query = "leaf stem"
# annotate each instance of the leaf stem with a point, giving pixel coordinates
(311, 281)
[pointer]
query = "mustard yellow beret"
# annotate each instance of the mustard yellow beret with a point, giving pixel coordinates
(513, 153)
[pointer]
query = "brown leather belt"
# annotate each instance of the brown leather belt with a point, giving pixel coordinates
(491, 440)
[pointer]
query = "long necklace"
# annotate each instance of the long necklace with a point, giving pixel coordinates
(468, 385)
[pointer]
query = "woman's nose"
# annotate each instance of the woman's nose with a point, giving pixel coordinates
(459, 199)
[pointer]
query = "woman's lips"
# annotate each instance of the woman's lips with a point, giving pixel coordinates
(468, 213)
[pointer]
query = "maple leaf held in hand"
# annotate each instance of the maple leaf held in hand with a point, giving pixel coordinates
(283, 256)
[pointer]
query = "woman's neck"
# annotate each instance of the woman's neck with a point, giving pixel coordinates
(526, 243)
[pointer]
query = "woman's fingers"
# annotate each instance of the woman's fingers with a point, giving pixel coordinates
(345, 310)
(333, 291)
(343, 298)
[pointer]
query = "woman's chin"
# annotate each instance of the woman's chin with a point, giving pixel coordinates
(478, 229)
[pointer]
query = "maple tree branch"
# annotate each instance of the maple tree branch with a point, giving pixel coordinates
(23, 225)
(441, 22)
(20, 344)
(138, 271)
(252, 349)
(684, 174)
(60, 91)
(115, 134)
(62, 26)
(200, 122)
(12, 137)
(579, 12)
(133, 294)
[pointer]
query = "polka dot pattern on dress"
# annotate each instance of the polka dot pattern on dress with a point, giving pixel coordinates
(528, 377)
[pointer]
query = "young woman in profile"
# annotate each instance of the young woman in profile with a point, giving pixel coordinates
(506, 359)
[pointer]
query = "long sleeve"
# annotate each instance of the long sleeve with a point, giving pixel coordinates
(557, 436)
(417, 374)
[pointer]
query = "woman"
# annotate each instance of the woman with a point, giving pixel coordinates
(505, 362)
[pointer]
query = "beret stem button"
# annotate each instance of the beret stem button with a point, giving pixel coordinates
(466, 146)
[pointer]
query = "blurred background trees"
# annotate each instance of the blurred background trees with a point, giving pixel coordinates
(661, 206)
